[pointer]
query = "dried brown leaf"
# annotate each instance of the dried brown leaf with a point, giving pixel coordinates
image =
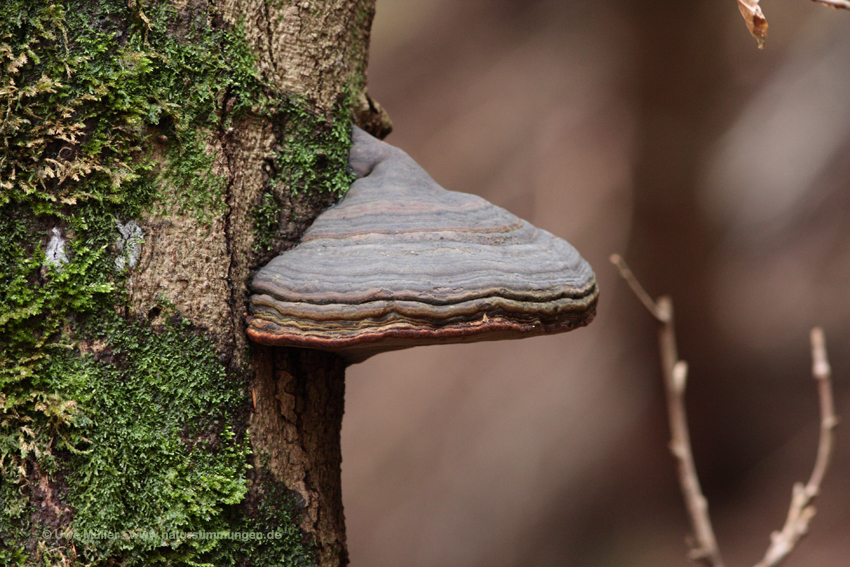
(14, 66)
(754, 17)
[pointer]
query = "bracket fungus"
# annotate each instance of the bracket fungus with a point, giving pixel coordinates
(401, 262)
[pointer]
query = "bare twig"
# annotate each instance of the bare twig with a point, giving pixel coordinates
(704, 548)
(802, 511)
(845, 4)
(638, 290)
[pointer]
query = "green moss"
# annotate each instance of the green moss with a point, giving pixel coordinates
(41, 296)
(155, 452)
(278, 513)
(156, 469)
(276, 518)
(311, 159)
(91, 90)
(89, 94)
(14, 521)
(267, 220)
(314, 156)
(106, 109)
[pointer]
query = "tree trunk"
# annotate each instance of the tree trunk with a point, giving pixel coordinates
(155, 155)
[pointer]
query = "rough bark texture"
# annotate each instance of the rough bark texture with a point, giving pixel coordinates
(190, 281)
(305, 48)
(297, 420)
(313, 50)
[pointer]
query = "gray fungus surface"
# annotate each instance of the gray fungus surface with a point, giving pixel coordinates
(402, 262)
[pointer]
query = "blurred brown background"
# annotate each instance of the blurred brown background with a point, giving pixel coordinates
(657, 130)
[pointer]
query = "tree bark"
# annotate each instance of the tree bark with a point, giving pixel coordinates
(297, 421)
(187, 282)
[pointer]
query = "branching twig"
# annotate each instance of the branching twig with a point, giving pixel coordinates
(801, 511)
(705, 548)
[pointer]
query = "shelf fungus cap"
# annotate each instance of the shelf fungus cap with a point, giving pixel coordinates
(402, 262)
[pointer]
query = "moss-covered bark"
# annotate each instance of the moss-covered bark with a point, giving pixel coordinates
(154, 153)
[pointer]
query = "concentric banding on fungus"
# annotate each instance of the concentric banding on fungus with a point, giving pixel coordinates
(401, 262)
